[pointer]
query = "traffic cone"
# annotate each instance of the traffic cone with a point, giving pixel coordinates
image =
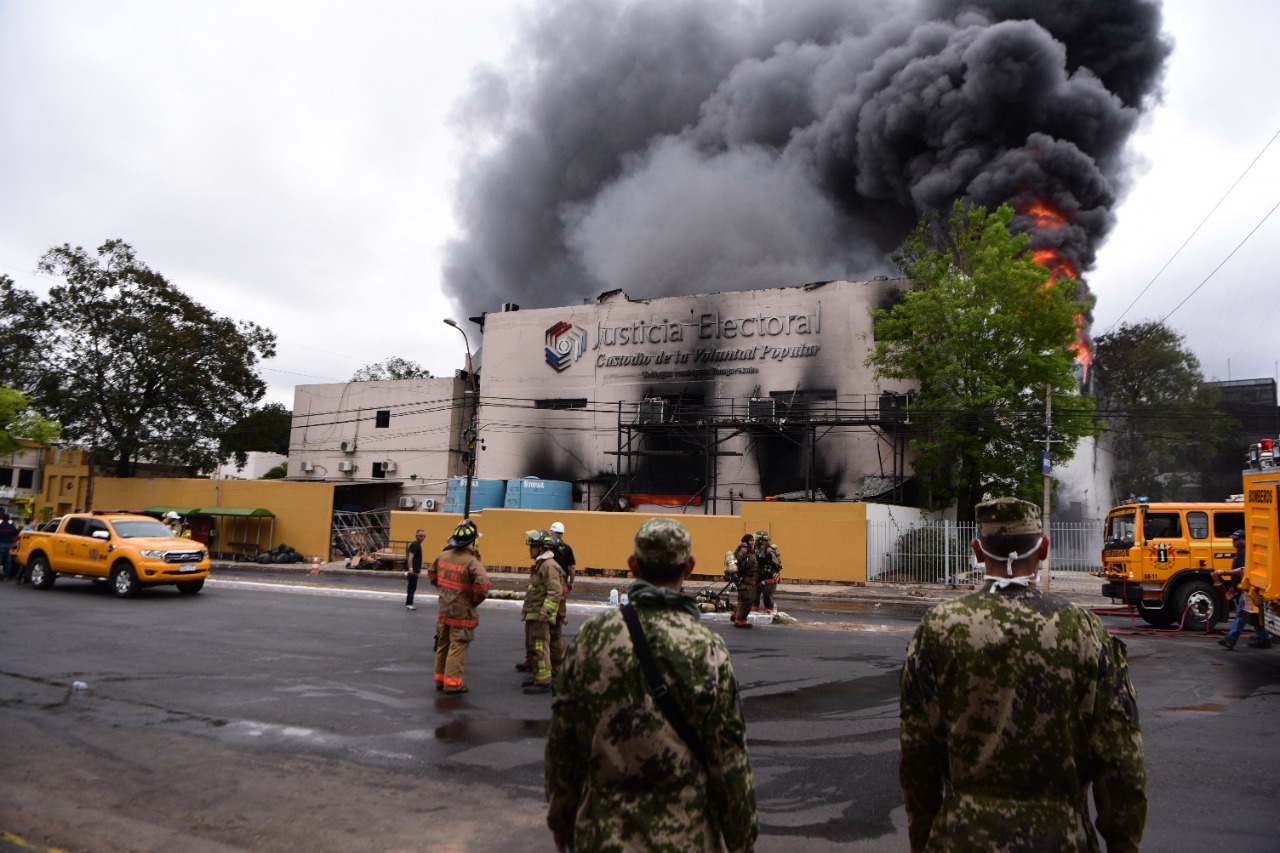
(315, 564)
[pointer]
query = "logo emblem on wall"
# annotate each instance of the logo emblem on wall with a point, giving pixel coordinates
(566, 344)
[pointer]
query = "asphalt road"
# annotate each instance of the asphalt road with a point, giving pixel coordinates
(261, 715)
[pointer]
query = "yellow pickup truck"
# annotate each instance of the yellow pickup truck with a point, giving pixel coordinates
(129, 551)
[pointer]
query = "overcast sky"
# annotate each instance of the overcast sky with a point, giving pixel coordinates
(295, 164)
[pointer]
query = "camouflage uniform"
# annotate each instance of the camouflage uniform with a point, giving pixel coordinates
(1013, 703)
(543, 598)
(463, 583)
(618, 776)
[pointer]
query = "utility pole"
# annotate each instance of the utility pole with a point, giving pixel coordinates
(1046, 468)
(473, 428)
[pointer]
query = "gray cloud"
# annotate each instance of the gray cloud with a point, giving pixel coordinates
(688, 146)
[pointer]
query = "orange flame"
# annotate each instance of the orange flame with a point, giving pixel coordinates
(1048, 219)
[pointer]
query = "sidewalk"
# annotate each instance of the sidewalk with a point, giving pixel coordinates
(1078, 587)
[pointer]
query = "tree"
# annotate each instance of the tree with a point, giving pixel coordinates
(392, 368)
(132, 366)
(18, 421)
(279, 472)
(1157, 410)
(264, 429)
(985, 332)
(21, 323)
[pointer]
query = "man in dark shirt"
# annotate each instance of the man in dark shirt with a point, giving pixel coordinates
(8, 535)
(413, 566)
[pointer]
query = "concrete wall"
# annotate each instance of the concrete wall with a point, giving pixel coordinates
(303, 511)
(421, 437)
(818, 541)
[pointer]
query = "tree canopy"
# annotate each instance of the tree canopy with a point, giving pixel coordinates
(392, 368)
(18, 421)
(986, 333)
(263, 429)
(130, 365)
(1158, 412)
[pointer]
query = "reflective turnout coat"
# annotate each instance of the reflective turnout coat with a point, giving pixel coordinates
(463, 583)
(545, 593)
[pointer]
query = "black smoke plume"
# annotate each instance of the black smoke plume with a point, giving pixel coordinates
(692, 146)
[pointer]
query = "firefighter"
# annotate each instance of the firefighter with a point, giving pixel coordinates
(542, 602)
(745, 558)
(463, 583)
(769, 566)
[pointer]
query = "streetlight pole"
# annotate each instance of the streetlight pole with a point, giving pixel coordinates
(471, 429)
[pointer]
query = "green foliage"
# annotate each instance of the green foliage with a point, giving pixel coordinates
(984, 333)
(134, 367)
(22, 320)
(1158, 412)
(264, 429)
(392, 368)
(927, 554)
(279, 472)
(17, 420)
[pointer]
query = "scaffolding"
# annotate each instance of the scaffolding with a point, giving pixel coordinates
(361, 532)
(683, 429)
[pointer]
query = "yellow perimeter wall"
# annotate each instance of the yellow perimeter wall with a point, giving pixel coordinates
(818, 541)
(303, 511)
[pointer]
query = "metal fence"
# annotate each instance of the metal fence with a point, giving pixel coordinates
(937, 552)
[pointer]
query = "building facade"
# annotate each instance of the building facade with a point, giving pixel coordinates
(390, 443)
(697, 402)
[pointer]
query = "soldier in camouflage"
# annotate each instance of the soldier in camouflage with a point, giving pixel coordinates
(618, 775)
(1015, 702)
(463, 583)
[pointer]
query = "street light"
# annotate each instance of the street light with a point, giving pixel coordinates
(471, 430)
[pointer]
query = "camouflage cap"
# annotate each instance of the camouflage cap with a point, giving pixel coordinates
(662, 542)
(1007, 517)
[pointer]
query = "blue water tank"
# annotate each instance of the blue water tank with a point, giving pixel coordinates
(484, 493)
(533, 493)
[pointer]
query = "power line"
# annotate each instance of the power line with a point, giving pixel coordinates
(1219, 266)
(1193, 234)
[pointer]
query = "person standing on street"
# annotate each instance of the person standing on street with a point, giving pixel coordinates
(542, 601)
(564, 555)
(463, 583)
(631, 768)
(8, 536)
(1241, 592)
(745, 557)
(768, 567)
(413, 566)
(569, 568)
(1014, 704)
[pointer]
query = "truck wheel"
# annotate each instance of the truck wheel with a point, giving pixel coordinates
(124, 581)
(1201, 606)
(1159, 617)
(191, 587)
(40, 575)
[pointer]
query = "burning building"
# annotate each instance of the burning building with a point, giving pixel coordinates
(695, 401)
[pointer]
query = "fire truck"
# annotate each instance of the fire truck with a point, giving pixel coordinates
(1262, 530)
(1159, 558)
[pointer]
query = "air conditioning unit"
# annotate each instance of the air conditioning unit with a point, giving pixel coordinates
(388, 467)
(346, 467)
(407, 502)
(429, 505)
(650, 411)
(347, 446)
(308, 467)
